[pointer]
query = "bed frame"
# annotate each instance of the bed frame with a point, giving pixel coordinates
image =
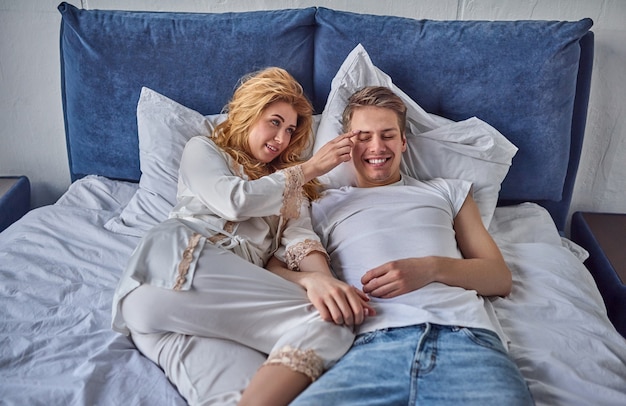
(60, 264)
(529, 79)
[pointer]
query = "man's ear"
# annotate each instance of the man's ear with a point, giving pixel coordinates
(404, 142)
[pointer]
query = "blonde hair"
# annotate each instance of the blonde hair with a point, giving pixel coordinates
(254, 93)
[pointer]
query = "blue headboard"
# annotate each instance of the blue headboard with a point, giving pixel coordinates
(528, 79)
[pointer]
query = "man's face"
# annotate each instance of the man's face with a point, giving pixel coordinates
(378, 148)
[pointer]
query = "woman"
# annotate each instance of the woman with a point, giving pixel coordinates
(243, 202)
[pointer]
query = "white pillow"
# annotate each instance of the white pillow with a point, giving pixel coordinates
(437, 147)
(164, 127)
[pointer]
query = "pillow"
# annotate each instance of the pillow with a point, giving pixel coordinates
(436, 147)
(164, 127)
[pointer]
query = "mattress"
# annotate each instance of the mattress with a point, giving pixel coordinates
(59, 267)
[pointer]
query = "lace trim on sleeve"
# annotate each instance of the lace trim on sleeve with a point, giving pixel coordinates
(295, 253)
(306, 362)
(292, 196)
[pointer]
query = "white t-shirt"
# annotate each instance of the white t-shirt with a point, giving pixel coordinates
(366, 227)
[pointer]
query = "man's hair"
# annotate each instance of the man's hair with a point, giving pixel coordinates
(376, 96)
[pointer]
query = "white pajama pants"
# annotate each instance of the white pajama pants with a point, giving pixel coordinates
(210, 339)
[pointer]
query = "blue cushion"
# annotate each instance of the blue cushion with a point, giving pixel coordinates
(519, 76)
(194, 58)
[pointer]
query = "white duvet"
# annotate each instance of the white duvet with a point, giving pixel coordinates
(59, 267)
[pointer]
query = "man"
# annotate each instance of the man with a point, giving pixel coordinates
(434, 338)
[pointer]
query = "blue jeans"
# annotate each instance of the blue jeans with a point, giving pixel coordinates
(425, 364)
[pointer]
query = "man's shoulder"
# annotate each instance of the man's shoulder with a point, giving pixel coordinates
(333, 194)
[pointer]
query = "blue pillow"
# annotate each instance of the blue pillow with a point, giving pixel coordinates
(518, 76)
(194, 58)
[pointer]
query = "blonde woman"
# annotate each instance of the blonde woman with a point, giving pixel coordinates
(243, 204)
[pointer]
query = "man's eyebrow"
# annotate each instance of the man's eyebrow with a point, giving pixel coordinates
(386, 130)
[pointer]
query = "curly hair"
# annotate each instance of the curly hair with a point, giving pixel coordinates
(254, 93)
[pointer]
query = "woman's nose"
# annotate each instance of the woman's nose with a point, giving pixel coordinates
(279, 137)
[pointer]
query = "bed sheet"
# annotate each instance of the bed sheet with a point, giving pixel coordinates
(560, 335)
(56, 344)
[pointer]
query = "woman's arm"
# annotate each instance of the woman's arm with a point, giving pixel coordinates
(335, 300)
(206, 173)
(482, 268)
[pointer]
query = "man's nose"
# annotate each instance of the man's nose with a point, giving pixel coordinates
(377, 144)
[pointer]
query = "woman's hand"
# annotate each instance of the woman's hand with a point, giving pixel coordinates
(329, 156)
(336, 300)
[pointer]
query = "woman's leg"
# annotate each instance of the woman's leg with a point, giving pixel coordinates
(274, 385)
(233, 299)
(205, 371)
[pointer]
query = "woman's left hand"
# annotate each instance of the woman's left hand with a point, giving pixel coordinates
(336, 300)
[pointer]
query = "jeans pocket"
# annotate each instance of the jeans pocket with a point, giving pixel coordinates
(484, 338)
(365, 338)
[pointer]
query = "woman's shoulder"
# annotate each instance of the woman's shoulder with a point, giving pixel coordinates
(203, 139)
(204, 143)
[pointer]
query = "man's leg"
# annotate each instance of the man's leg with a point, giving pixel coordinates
(466, 366)
(376, 371)
(425, 364)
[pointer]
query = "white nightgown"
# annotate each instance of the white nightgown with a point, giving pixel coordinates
(199, 274)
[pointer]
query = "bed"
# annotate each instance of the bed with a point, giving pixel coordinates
(136, 85)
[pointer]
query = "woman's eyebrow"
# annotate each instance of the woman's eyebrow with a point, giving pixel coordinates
(283, 120)
(279, 116)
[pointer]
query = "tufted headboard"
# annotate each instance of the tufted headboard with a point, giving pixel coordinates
(529, 79)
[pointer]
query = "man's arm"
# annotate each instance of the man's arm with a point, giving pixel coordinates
(482, 268)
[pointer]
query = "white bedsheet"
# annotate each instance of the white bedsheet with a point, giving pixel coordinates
(560, 335)
(59, 267)
(58, 270)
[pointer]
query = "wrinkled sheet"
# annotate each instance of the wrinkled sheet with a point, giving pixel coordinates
(58, 270)
(560, 335)
(59, 267)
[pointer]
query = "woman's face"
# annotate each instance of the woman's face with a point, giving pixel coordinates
(271, 133)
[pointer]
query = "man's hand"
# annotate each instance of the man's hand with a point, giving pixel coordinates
(397, 277)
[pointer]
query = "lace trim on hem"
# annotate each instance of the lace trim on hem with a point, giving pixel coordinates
(292, 196)
(297, 252)
(183, 266)
(306, 362)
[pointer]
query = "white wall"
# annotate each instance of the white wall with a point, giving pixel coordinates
(31, 118)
